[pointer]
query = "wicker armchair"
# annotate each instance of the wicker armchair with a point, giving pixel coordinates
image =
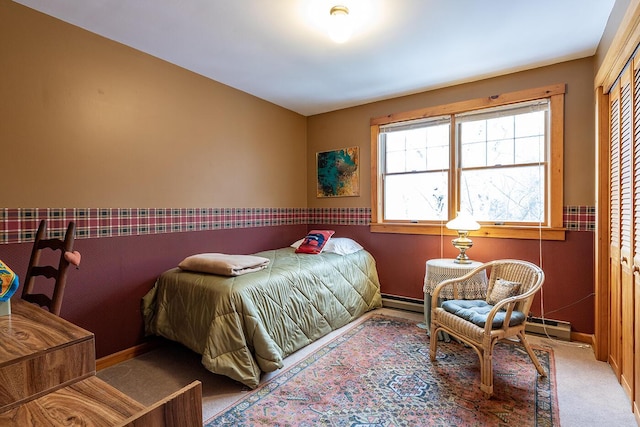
(481, 324)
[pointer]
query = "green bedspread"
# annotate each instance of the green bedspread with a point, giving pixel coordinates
(245, 325)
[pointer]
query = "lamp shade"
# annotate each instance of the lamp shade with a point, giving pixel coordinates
(463, 221)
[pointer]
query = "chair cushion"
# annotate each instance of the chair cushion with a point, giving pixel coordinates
(476, 311)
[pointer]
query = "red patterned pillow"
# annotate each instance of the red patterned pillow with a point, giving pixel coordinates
(314, 241)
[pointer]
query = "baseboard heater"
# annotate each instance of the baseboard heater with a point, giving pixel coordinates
(402, 303)
(553, 328)
(534, 325)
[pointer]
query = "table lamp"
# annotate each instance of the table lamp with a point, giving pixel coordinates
(462, 224)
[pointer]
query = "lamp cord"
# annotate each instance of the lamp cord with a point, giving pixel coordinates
(441, 239)
(542, 312)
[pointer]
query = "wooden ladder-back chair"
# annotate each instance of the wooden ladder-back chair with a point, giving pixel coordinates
(481, 324)
(59, 274)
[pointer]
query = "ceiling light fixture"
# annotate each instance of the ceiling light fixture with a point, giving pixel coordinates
(339, 24)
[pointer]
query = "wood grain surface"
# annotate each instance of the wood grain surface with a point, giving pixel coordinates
(40, 352)
(90, 402)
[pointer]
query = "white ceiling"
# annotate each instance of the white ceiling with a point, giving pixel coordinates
(278, 50)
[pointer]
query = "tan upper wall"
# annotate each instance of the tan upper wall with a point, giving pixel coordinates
(350, 127)
(135, 131)
(87, 122)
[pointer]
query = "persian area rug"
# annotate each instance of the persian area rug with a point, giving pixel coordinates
(379, 374)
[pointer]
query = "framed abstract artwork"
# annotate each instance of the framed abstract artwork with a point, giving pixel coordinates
(338, 173)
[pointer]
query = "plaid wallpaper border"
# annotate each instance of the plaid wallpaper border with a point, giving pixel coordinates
(579, 218)
(19, 225)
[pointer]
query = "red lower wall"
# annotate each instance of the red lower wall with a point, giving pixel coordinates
(104, 295)
(568, 265)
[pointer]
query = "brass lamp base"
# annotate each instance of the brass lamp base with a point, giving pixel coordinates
(462, 243)
(462, 259)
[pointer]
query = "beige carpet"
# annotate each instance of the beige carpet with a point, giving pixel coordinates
(588, 392)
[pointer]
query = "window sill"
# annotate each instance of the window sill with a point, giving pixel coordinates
(492, 231)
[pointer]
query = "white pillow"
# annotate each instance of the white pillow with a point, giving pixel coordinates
(337, 245)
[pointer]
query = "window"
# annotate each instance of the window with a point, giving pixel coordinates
(498, 158)
(503, 157)
(415, 174)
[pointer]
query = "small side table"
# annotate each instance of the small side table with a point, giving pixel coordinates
(438, 270)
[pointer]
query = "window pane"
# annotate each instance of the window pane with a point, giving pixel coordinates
(474, 154)
(437, 135)
(530, 124)
(405, 151)
(417, 149)
(416, 159)
(396, 162)
(507, 140)
(500, 152)
(474, 132)
(421, 196)
(530, 150)
(416, 138)
(513, 194)
(438, 157)
(500, 128)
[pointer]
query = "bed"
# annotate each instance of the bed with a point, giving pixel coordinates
(245, 325)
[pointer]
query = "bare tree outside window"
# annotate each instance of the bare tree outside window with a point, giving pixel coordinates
(417, 168)
(501, 158)
(503, 166)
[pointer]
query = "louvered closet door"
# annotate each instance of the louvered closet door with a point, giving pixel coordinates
(615, 324)
(636, 241)
(626, 229)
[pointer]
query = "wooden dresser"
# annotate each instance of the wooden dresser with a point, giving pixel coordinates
(47, 377)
